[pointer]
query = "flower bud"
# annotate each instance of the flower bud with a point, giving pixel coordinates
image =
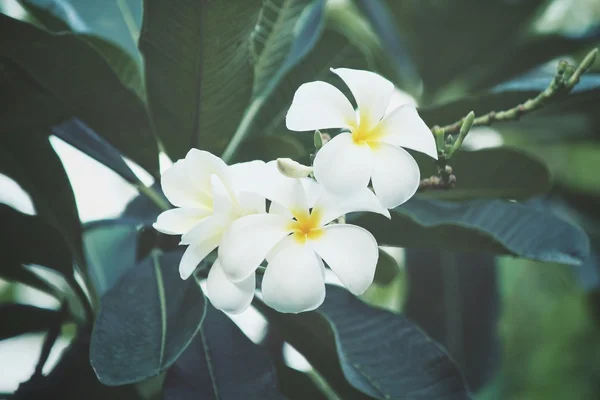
(293, 169)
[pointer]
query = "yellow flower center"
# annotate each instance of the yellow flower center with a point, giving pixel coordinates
(366, 133)
(306, 225)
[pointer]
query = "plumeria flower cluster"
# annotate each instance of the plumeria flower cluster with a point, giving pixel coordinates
(224, 208)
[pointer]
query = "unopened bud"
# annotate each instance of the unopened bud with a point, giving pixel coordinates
(318, 140)
(293, 169)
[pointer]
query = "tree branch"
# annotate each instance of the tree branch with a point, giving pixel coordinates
(564, 81)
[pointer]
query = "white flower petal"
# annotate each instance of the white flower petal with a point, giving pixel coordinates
(278, 209)
(180, 220)
(222, 201)
(246, 175)
(294, 280)
(332, 206)
(399, 98)
(371, 91)
(179, 190)
(205, 229)
(228, 296)
(194, 254)
(288, 192)
(343, 166)
(200, 165)
(319, 105)
(351, 252)
(251, 203)
(404, 127)
(395, 175)
(247, 242)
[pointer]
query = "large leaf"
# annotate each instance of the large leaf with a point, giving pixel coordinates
(221, 364)
(55, 15)
(31, 240)
(72, 378)
(145, 321)
(30, 161)
(18, 319)
(381, 354)
(453, 297)
(80, 136)
(110, 249)
(435, 29)
(85, 80)
(197, 71)
(382, 22)
(495, 226)
(490, 173)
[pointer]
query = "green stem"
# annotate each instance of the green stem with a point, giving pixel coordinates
(558, 86)
(242, 130)
(154, 197)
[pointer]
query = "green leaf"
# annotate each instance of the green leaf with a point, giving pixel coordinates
(382, 22)
(453, 297)
(145, 321)
(54, 15)
(490, 173)
(32, 241)
(32, 163)
(110, 249)
(221, 363)
(80, 136)
(434, 31)
(387, 268)
(198, 74)
(494, 226)
(381, 354)
(85, 80)
(18, 319)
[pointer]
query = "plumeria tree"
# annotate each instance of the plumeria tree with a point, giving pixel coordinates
(300, 141)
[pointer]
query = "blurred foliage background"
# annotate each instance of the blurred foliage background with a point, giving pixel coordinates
(518, 329)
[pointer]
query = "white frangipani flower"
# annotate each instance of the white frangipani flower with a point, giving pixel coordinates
(372, 149)
(209, 196)
(295, 237)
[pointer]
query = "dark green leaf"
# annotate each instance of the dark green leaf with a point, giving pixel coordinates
(73, 379)
(32, 241)
(110, 249)
(434, 30)
(382, 22)
(142, 208)
(84, 80)
(55, 15)
(80, 136)
(221, 364)
(453, 297)
(495, 226)
(18, 319)
(198, 76)
(387, 268)
(32, 163)
(145, 321)
(296, 385)
(381, 354)
(491, 173)
(15, 272)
